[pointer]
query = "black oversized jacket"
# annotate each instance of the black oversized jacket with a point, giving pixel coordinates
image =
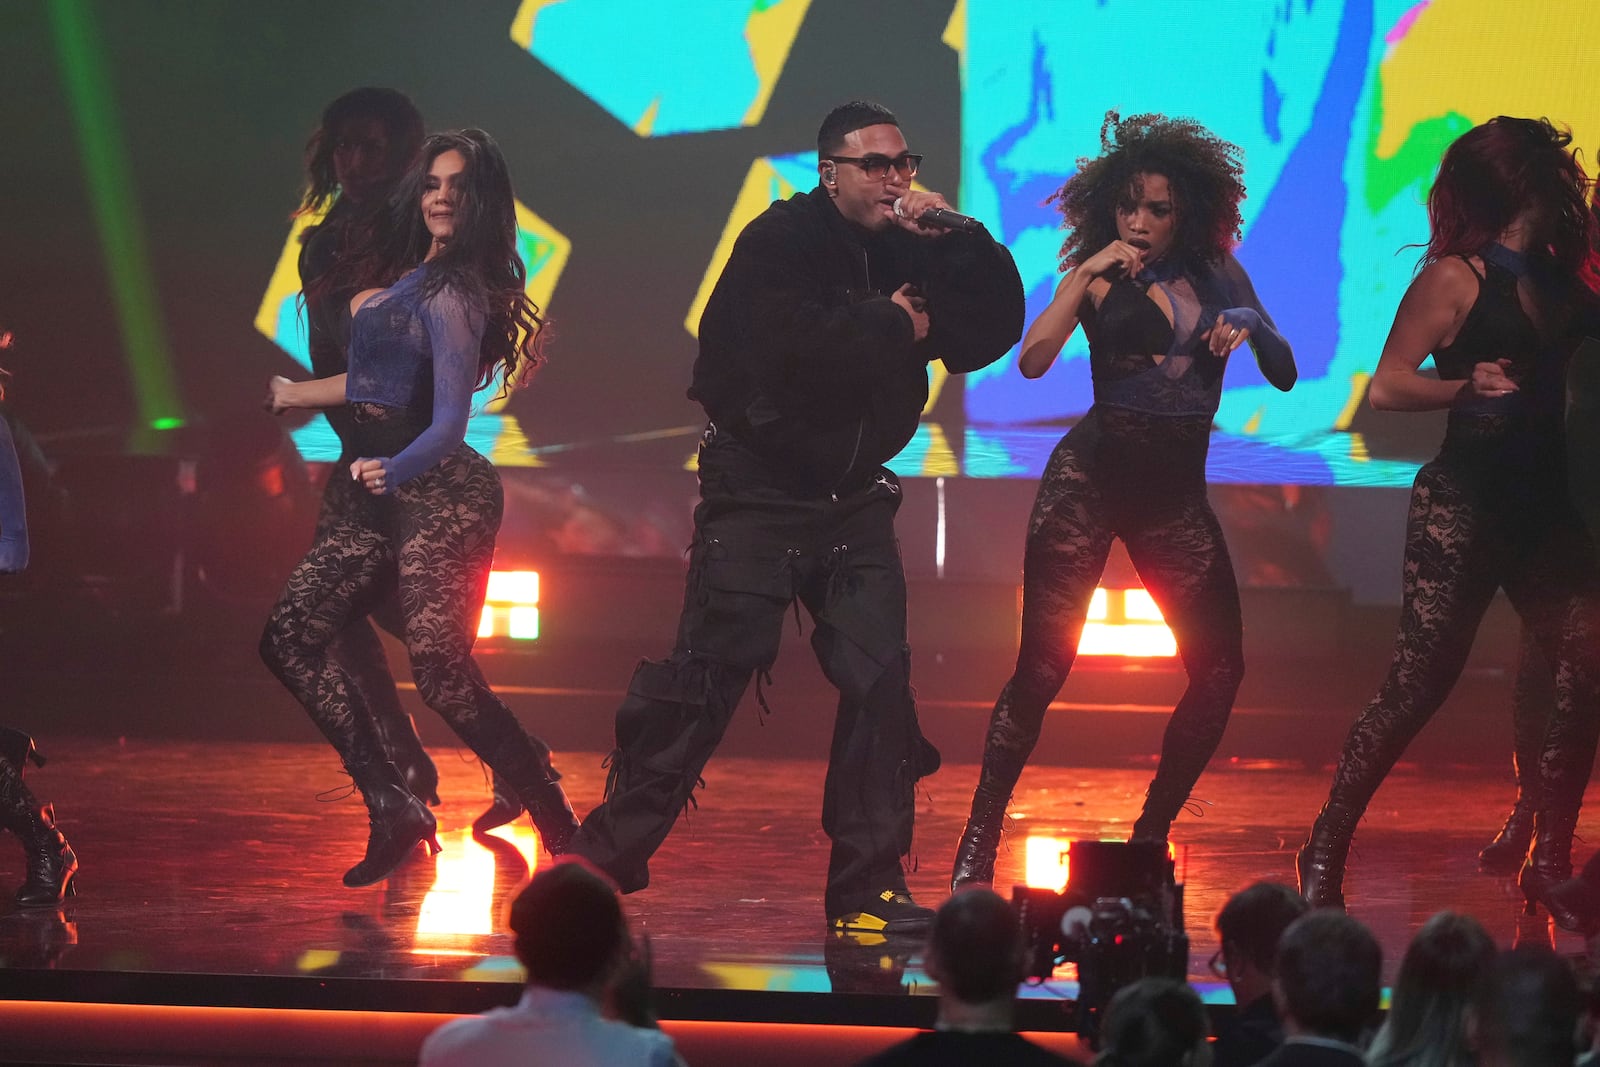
(804, 357)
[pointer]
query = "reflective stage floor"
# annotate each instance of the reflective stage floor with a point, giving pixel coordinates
(210, 877)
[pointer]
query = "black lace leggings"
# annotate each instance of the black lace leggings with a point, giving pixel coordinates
(358, 647)
(434, 535)
(1140, 478)
(1460, 548)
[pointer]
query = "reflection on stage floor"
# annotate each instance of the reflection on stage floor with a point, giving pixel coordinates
(210, 875)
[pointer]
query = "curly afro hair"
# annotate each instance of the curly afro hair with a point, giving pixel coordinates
(1202, 170)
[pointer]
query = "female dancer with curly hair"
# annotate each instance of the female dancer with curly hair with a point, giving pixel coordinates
(454, 319)
(1505, 281)
(1163, 301)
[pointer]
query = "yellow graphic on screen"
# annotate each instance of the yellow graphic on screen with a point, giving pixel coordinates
(1476, 59)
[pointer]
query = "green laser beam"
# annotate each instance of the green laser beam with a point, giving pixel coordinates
(110, 185)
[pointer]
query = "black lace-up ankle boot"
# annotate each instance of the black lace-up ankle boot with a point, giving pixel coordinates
(552, 815)
(980, 841)
(1162, 802)
(398, 822)
(1506, 853)
(1549, 865)
(50, 861)
(1320, 862)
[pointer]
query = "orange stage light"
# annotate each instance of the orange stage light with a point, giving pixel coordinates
(1126, 622)
(1047, 862)
(511, 608)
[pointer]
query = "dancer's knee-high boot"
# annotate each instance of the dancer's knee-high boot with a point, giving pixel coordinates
(1320, 862)
(50, 861)
(398, 821)
(980, 841)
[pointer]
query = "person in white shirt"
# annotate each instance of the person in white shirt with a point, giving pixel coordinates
(573, 941)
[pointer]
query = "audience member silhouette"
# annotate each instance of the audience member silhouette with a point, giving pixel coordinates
(977, 954)
(1329, 977)
(1155, 1022)
(1427, 1024)
(1248, 928)
(573, 940)
(1527, 1010)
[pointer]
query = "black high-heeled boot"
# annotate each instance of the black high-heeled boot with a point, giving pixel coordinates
(1506, 853)
(1319, 865)
(547, 805)
(52, 865)
(398, 822)
(398, 733)
(50, 861)
(523, 763)
(1578, 898)
(1549, 865)
(504, 808)
(980, 841)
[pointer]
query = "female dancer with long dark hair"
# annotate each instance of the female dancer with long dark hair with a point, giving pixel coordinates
(367, 139)
(1163, 302)
(453, 319)
(1505, 280)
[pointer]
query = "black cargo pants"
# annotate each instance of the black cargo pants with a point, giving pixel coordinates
(757, 549)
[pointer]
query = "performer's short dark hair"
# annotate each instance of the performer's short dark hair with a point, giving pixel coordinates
(568, 925)
(847, 119)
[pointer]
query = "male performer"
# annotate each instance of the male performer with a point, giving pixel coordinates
(813, 361)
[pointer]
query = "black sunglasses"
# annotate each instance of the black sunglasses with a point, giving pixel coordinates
(877, 167)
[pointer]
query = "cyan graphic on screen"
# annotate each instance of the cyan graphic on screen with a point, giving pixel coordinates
(687, 66)
(1342, 110)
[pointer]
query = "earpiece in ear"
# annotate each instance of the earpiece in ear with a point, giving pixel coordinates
(830, 175)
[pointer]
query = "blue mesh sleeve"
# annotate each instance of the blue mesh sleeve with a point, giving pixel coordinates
(1273, 354)
(455, 332)
(13, 515)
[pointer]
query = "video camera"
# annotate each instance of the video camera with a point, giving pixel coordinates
(1119, 919)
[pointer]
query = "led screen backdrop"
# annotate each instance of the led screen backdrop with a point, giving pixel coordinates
(1342, 110)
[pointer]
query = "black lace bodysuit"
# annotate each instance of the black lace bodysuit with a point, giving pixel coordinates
(1491, 512)
(1134, 468)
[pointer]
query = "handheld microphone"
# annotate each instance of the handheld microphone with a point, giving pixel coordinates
(943, 218)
